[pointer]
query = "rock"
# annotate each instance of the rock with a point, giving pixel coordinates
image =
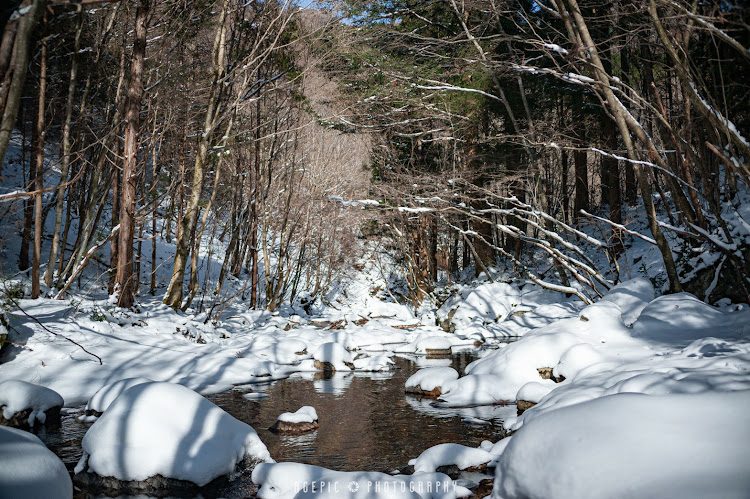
(546, 373)
(484, 489)
(296, 423)
(327, 367)
(523, 405)
(27, 406)
(286, 428)
(20, 420)
(417, 390)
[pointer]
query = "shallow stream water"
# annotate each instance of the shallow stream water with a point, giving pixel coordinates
(367, 422)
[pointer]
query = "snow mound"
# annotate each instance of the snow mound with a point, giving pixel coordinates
(448, 454)
(334, 354)
(304, 414)
(632, 297)
(486, 303)
(429, 378)
(29, 470)
(17, 396)
(293, 480)
(169, 430)
(533, 391)
(631, 445)
(374, 364)
(108, 393)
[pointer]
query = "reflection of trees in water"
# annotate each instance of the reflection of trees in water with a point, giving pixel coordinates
(366, 421)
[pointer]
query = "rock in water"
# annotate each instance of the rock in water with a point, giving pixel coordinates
(26, 405)
(155, 433)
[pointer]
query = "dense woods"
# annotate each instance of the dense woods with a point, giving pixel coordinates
(477, 133)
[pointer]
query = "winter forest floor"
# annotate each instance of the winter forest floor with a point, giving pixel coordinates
(641, 395)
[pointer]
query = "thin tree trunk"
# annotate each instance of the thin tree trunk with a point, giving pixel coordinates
(65, 143)
(38, 181)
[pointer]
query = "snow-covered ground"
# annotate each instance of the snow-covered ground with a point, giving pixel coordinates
(672, 370)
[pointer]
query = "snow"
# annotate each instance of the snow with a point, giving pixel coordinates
(680, 318)
(335, 354)
(304, 414)
(377, 363)
(28, 470)
(17, 396)
(429, 378)
(448, 454)
(108, 393)
(293, 480)
(632, 445)
(169, 430)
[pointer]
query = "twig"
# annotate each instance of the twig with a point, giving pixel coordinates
(54, 333)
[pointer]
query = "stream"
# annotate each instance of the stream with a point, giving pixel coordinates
(367, 422)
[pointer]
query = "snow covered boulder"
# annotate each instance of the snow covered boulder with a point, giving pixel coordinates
(426, 344)
(443, 455)
(632, 445)
(28, 470)
(26, 405)
(429, 382)
(332, 357)
(107, 394)
(377, 363)
(295, 423)
(157, 435)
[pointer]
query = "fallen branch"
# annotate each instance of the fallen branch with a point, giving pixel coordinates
(90, 253)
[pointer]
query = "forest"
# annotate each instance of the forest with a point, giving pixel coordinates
(239, 179)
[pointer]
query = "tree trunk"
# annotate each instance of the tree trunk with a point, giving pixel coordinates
(21, 53)
(124, 278)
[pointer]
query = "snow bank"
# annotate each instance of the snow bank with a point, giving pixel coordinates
(169, 430)
(17, 396)
(485, 303)
(293, 480)
(450, 454)
(630, 445)
(305, 414)
(108, 393)
(28, 470)
(429, 378)
(678, 319)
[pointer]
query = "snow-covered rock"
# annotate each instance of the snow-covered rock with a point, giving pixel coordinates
(28, 470)
(431, 381)
(303, 420)
(632, 445)
(25, 404)
(107, 394)
(450, 454)
(376, 363)
(334, 357)
(168, 430)
(293, 480)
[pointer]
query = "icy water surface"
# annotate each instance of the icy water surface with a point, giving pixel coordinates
(367, 423)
